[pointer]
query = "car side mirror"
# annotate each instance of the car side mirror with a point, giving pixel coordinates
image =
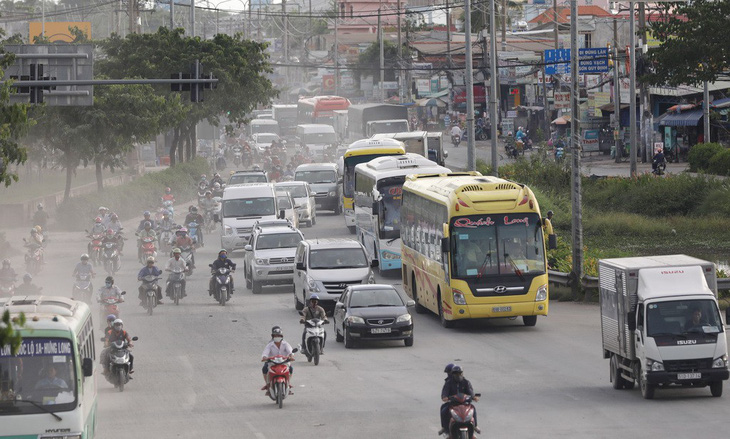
(248, 248)
(87, 367)
(411, 303)
(374, 263)
(376, 208)
(210, 265)
(282, 214)
(135, 338)
(631, 320)
(445, 245)
(295, 350)
(300, 266)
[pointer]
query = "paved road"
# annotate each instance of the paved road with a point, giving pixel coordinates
(198, 372)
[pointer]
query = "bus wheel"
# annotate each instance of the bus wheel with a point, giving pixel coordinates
(445, 323)
(529, 320)
(420, 309)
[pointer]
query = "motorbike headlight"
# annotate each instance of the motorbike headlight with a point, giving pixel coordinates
(654, 366)
(355, 319)
(332, 193)
(403, 318)
(456, 416)
(262, 261)
(542, 293)
(313, 287)
(371, 278)
(720, 362)
(459, 298)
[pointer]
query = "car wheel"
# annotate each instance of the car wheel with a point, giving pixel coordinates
(297, 304)
(349, 342)
(647, 390)
(314, 220)
(338, 337)
(716, 388)
(256, 286)
(409, 341)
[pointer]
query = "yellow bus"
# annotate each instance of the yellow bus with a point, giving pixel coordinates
(358, 152)
(472, 247)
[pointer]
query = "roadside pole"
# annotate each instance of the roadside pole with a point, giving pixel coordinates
(471, 164)
(632, 90)
(616, 94)
(493, 109)
(706, 111)
(575, 147)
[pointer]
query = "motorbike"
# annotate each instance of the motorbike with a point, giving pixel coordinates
(34, 258)
(510, 147)
(455, 140)
(222, 285)
(313, 339)
(279, 378)
(95, 246)
(119, 363)
(7, 286)
(166, 236)
(220, 163)
(237, 157)
(209, 220)
(201, 195)
(659, 167)
(110, 257)
(149, 286)
(176, 284)
(461, 425)
(186, 253)
(110, 305)
(83, 289)
(148, 248)
(167, 205)
(559, 153)
(193, 232)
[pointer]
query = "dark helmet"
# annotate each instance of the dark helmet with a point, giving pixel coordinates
(109, 279)
(449, 368)
(147, 224)
(276, 330)
(193, 209)
(456, 369)
(27, 277)
(110, 318)
(146, 213)
(549, 213)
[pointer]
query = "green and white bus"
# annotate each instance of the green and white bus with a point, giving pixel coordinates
(48, 390)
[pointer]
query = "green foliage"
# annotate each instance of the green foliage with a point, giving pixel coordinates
(700, 155)
(368, 62)
(130, 199)
(9, 331)
(14, 123)
(720, 163)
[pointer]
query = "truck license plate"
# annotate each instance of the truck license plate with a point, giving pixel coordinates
(380, 331)
(501, 309)
(689, 376)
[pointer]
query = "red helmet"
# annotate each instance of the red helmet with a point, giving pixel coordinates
(109, 232)
(168, 190)
(97, 220)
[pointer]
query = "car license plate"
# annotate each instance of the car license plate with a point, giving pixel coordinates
(282, 268)
(380, 331)
(689, 376)
(501, 309)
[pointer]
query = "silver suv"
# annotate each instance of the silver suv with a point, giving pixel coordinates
(269, 255)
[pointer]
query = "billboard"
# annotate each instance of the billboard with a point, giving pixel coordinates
(58, 30)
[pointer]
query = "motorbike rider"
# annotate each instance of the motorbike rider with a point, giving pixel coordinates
(194, 216)
(98, 228)
(147, 270)
(314, 311)
(182, 240)
(216, 179)
(658, 159)
(208, 203)
(83, 267)
(175, 262)
(454, 385)
(520, 135)
(217, 190)
(36, 237)
(147, 218)
(109, 290)
(276, 347)
(104, 214)
(6, 272)
(456, 131)
(146, 232)
(40, 217)
(168, 195)
(203, 183)
(27, 288)
(220, 262)
(117, 333)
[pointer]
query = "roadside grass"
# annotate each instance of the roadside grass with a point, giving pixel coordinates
(51, 181)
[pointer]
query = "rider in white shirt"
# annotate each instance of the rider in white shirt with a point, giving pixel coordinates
(276, 347)
(456, 131)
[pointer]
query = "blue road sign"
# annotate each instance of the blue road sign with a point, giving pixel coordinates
(557, 61)
(592, 60)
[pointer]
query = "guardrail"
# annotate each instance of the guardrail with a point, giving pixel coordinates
(591, 283)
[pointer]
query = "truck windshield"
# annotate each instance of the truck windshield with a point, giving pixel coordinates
(248, 207)
(316, 176)
(681, 317)
(388, 127)
(498, 244)
(43, 373)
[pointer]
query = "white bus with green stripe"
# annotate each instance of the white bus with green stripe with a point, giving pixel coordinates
(48, 389)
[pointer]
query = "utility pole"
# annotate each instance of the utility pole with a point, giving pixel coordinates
(192, 18)
(43, 18)
(471, 164)
(545, 112)
(504, 25)
(250, 35)
(172, 14)
(130, 12)
(336, 56)
(448, 46)
(493, 103)
(555, 22)
(644, 93)
(286, 39)
(401, 78)
(706, 110)
(632, 90)
(616, 94)
(576, 149)
(382, 57)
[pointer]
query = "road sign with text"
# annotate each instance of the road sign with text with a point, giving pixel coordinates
(592, 60)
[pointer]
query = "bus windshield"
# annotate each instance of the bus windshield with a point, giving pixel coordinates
(391, 192)
(497, 244)
(248, 207)
(316, 176)
(350, 163)
(39, 379)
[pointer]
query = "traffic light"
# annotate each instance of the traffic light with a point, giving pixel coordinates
(36, 91)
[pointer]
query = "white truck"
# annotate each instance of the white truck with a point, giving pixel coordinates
(661, 324)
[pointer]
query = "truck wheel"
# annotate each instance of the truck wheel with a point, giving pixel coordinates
(647, 390)
(529, 320)
(615, 373)
(716, 388)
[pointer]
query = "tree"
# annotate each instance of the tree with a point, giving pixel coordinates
(694, 47)
(368, 62)
(8, 331)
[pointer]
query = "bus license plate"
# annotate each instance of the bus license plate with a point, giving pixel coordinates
(380, 331)
(501, 309)
(689, 376)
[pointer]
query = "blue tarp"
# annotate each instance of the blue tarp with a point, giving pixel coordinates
(685, 119)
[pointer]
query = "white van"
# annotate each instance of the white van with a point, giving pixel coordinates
(242, 206)
(263, 126)
(316, 137)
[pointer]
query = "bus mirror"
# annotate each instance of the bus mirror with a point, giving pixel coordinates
(376, 208)
(374, 263)
(445, 245)
(87, 367)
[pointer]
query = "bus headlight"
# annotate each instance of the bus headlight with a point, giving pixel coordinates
(403, 318)
(720, 362)
(542, 293)
(459, 298)
(390, 255)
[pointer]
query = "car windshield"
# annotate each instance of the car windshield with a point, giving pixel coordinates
(487, 245)
(337, 258)
(284, 202)
(296, 190)
(316, 176)
(278, 240)
(319, 138)
(392, 197)
(248, 207)
(372, 298)
(683, 317)
(247, 178)
(43, 372)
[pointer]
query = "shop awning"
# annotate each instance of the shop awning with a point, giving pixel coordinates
(562, 120)
(439, 94)
(686, 119)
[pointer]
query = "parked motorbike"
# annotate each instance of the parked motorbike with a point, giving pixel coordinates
(455, 140)
(222, 285)
(119, 363)
(7, 286)
(149, 286)
(313, 339)
(94, 246)
(83, 289)
(461, 425)
(110, 257)
(279, 378)
(175, 283)
(110, 305)
(148, 248)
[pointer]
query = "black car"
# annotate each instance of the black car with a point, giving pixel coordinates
(372, 312)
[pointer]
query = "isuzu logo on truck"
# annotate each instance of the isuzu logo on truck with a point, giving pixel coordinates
(686, 342)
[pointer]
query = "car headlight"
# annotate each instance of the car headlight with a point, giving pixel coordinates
(228, 230)
(459, 298)
(262, 261)
(720, 362)
(332, 194)
(355, 319)
(403, 318)
(312, 285)
(542, 293)
(371, 278)
(654, 366)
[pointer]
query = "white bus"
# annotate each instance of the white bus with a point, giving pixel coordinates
(378, 190)
(48, 390)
